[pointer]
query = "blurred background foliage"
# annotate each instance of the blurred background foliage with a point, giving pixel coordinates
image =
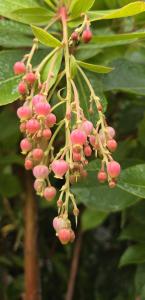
(112, 222)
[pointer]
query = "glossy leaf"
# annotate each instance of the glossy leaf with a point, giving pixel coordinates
(46, 38)
(92, 219)
(102, 198)
(80, 6)
(8, 90)
(94, 68)
(132, 180)
(133, 255)
(127, 76)
(34, 15)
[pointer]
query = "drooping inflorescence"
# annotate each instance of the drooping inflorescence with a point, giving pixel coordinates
(83, 140)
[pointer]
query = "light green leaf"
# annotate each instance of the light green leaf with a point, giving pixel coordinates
(132, 180)
(34, 15)
(111, 38)
(46, 38)
(73, 66)
(133, 255)
(92, 218)
(100, 197)
(50, 4)
(56, 68)
(8, 90)
(94, 68)
(80, 6)
(129, 10)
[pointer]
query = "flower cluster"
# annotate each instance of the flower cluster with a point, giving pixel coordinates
(84, 140)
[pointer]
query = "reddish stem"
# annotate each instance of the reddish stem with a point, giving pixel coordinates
(31, 261)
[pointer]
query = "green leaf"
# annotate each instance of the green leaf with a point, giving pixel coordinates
(12, 34)
(127, 76)
(50, 4)
(56, 68)
(133, 255)
(100, 197)
(80, 6)
(134, 232)
(9, 185)
(8, 6)
(92, 218)
(34, 15)
(94, 68)
(8, 90)
(107, 39)
(73, 66)
(46, 38)
(132, 180)
(129, 10)
(140, 281)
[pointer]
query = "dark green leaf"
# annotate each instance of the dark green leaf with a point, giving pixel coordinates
(133, 255)
(100, 197)
(9, 185)
(8, 90)
(132, 180)
(92, 219)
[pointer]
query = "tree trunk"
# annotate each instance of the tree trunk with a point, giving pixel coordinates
(31, 257)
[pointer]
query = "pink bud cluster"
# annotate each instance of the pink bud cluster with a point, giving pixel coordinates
(63, 230)
(86, 35)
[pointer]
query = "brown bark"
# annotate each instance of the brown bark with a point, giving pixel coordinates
(31, 258)
(74, 267)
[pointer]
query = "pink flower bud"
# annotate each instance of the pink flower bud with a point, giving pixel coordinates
(59, 223)
(19, 68)
(111, 132)
(32, 126)
(77, 156)
(87, 151)
(39, 185)
(24, 112)
(112, 145)
(22, 88)
(87, 36)
(38, 99)
(47, 134)
(42, 109)
(102, 176)
(37, 154)
(49, 193)
(30, 78)
(78, 137)
(59, 167)
(41, 171)
(51, 120)
(64, 236)
(25, 145)
(112, 184)
(28, 164)
(23, 127)
(87, 126)
(113, 169)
